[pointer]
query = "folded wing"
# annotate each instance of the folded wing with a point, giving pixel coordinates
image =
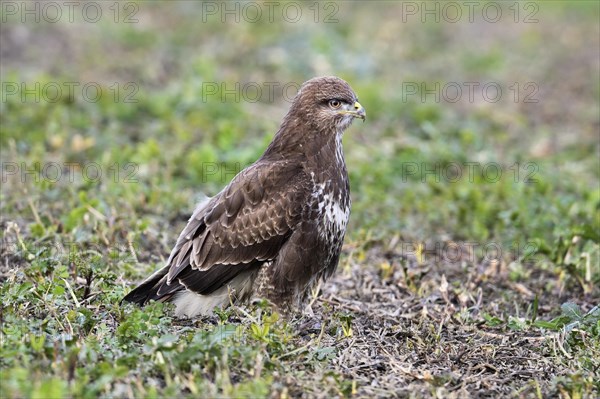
(239, 229)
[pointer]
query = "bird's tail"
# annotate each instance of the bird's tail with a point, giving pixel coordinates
(148, 290)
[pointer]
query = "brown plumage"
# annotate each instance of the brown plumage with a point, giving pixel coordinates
(283, 218)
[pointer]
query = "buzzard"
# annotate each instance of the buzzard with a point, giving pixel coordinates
(278, 226)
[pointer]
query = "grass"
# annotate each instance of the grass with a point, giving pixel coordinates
(483, 284)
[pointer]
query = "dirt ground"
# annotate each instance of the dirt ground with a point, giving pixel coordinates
(408, 344)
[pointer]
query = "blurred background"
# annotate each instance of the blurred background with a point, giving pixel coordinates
(483, 129)
(159, 91)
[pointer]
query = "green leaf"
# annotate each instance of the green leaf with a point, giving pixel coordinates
(516, 323)
(37, 342)
(492, 321)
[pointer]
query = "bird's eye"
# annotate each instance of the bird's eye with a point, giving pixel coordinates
(335, 104)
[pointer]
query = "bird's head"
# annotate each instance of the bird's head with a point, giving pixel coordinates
(328, 103)
(323, 108)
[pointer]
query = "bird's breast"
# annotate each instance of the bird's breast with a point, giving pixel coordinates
(330, 196)
(332, 211)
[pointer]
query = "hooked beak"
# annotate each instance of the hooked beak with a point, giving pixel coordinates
(357, 112)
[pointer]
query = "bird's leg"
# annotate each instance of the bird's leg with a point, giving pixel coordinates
(310, 322)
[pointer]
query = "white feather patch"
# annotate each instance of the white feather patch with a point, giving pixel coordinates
(188, 304)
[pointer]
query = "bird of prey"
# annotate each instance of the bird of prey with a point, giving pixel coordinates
(277, 228)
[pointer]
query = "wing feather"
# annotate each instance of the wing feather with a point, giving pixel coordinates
(243, 226)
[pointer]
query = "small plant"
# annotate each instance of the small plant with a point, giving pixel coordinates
(346, 323)
(262, 330)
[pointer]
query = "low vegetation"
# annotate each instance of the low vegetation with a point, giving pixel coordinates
(471, 267)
